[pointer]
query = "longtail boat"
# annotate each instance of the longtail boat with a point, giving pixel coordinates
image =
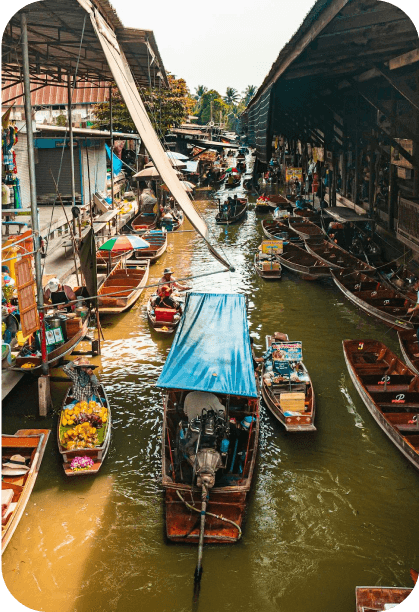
(279, 200)
(409, 347)
(305, 228)
(276, 230)
(144, 222)
(122, 288)
(336, 257)
(26, 446)
(158, 245)
(229, 214)
(376, 299)
(264, 205)
(235, 182)
(211, 422)
(390, 391)
(73, 330)
(298, 260)
(286, 385)
(75, 436)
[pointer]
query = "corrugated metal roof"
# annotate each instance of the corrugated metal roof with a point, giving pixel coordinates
(57, 29)
(52, 95)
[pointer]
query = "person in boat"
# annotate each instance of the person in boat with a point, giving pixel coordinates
(414, 309)
(165, 298)
(168, 279)
(56, 293)
(300, 204)
(85, 383)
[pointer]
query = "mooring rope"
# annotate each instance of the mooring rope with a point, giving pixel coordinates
(221, 518)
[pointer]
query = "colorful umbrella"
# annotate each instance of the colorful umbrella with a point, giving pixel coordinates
(124, 243)
(231, 170)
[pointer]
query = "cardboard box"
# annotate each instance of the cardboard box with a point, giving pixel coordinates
(294, 402)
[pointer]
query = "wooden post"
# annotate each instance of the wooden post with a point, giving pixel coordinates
(44, 395)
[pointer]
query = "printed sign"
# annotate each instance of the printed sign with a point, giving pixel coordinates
(287, 351)
(49, 334)
(294, 173)
(269, 247)
(58, 334)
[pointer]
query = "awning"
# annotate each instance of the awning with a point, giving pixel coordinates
(211, 350)
(345, 215)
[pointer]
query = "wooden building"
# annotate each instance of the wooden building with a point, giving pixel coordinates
(344, 90)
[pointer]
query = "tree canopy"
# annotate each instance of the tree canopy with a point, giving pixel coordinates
(166, 108)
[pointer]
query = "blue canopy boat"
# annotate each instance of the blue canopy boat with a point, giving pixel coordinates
(211, 421)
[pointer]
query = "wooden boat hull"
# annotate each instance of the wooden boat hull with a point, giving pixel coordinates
(336, 257)
(305, 228)
(409, 347)
(267, 274)
(378, 402)
(303, 422)
(55, 355)
(144, 222)
(298, 260)
(161, 327)
(156, 250)
(234, 219)
(23, 442)
(228, 501)
(98, 453)
(102, 259)
(370, 599)
(273, 229)
(374, 305)
(122, 288)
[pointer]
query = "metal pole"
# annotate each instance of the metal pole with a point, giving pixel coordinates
(32, 183)
(111, 131)
(70, 130)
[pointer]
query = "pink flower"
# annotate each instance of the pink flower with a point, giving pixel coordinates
(81, 463)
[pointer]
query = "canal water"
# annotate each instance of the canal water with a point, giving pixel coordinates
(328, 511)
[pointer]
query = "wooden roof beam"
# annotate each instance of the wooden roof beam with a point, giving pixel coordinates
(398, 84)
(404, 60)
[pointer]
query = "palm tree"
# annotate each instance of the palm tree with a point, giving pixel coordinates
(232, 96)
(248, 93)
(199, 91)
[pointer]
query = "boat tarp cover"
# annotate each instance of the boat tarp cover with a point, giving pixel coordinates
(211, 349)
(129, 91)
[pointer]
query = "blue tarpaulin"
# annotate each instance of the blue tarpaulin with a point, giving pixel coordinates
(117, 163)
(211, 349)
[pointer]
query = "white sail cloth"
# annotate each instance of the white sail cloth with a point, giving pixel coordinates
(125, 81)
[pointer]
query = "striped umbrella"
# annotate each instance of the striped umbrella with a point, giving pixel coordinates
(124, 243)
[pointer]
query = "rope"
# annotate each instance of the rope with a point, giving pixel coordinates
(217, 516)
(47, 306)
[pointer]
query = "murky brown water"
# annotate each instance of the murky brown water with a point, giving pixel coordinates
(327, 512)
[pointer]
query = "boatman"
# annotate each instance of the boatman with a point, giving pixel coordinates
(168, 279)
(85, 383)
(165, 298)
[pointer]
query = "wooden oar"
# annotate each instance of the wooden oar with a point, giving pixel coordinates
(199, 568)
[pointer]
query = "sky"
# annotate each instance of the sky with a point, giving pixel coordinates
(222, 43)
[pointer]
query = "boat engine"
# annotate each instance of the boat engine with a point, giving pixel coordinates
(205, 445)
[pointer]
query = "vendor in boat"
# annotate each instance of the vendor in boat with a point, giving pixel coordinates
(165, 298)
(58, 294)
(85, 383)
